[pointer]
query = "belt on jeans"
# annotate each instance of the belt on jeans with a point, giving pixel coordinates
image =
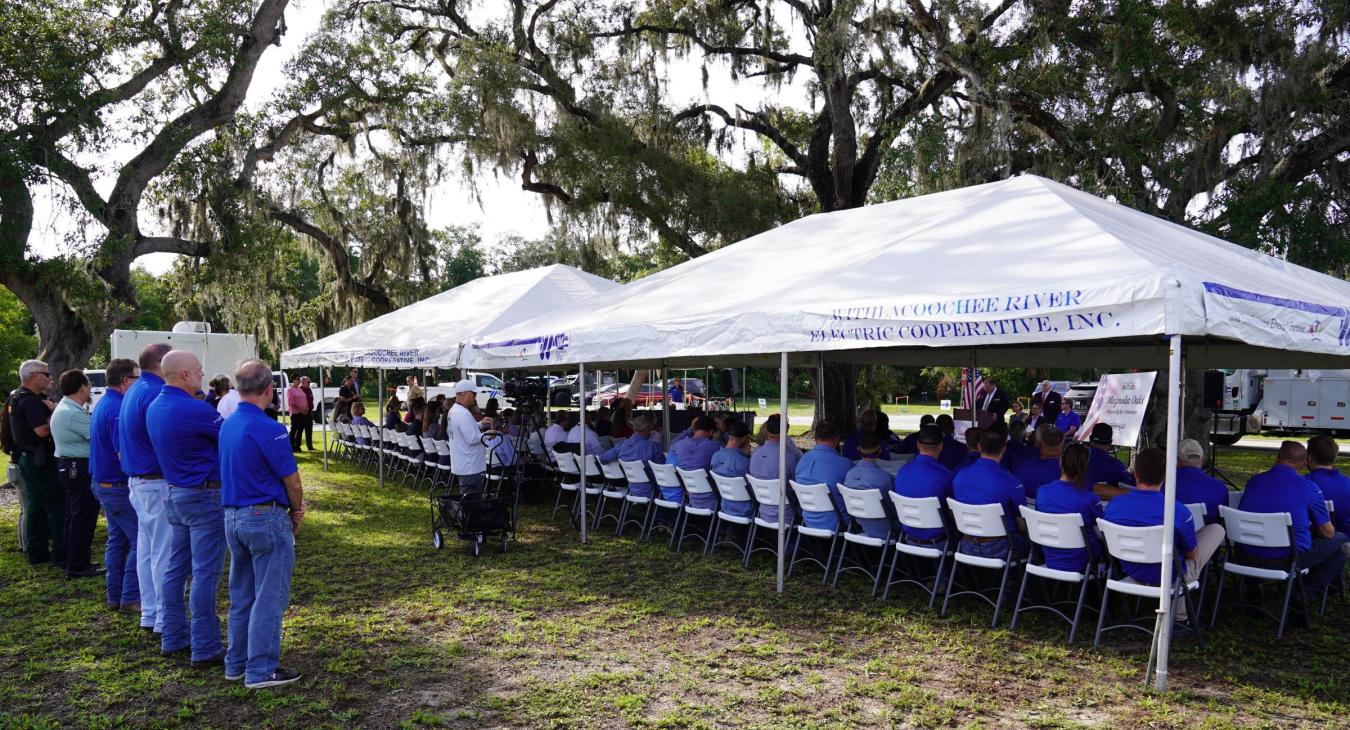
(72, 458)
(149, 477)
(984, 539)
(271, 503)
(203, 485)
(113, 485)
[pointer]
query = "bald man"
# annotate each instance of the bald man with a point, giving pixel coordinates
(185, 432)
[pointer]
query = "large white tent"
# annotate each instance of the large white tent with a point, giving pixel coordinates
(1025, 272)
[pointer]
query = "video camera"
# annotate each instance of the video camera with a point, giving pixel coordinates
(524, 390)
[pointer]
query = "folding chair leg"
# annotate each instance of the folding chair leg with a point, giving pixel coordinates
(623, 517)
(1002, 588)
(678, 528)
(937, 579)
(792, 560)
(1101, 617)
(946, 599)
(1218, 599)
(843, 556)
(876, 579)
(1077, 611)
(1284, 612)
(1017, 607)
(749, 543)
(829, 558)
(712, 535)
(890, 575)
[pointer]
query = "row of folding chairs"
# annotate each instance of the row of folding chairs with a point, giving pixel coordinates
(418, 460)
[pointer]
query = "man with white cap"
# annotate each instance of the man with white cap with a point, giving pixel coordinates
(468, 455)
(1194, 486)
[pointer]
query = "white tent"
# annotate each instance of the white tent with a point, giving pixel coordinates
(429, 333)
(1023, 272)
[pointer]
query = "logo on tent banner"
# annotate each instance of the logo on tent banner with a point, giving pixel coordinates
(550, 344)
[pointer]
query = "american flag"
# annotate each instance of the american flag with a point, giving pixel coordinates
(969, 386)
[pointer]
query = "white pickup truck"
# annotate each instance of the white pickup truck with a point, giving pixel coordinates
(486, 384)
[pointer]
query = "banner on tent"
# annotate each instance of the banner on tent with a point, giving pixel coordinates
(1120, 401)
(1293, 324)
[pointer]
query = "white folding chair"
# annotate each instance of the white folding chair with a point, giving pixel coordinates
(731, 489)
(766, 494)
(635, 472)
(569, 482)
(595, 487)
(443, 460)
(981, 522)
(1060, 532)
(695, 482)
(615, 488)
(1274, 530)
(813, 498)
(665, 477)
(1142, 545)
(919, 513)
(864, 504)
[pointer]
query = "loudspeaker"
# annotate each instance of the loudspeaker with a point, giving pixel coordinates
(1212, 390)
(731, 381)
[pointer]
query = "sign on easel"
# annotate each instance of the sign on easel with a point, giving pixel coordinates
(1121, 400)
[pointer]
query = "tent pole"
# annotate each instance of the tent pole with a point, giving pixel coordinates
(581, 377)
(323, 420)
(665, 409)
(1162, 633)
(379, 403)
(782, 458)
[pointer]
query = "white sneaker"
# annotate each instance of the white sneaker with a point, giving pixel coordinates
(278, 678)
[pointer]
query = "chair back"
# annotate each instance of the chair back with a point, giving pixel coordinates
(978, 520)
(766, 490)
(1197, 513)
(613, 471)
(812, 497)
(1256, 529)
(918, 513)
(442, 447)
(536, 443)
(635, 472)
(592, 465)
(732, 488)
(1054, 530)
(696, 481)
(863, 504)
(665, 475)
(1133, 544)
(428, 445)
(567, 463)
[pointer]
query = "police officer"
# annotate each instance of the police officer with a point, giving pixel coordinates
(468, 455)
(110, 488)
(146, 483)
(264, 505)
(70, 431)
(185, 432)
(44, 509)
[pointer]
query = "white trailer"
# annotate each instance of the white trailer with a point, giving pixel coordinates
(219, 352)
(1306, 401)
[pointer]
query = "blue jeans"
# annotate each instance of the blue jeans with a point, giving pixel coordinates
(198, 549)
(1016, 548)
(262, 556)
(153, 540)
(120, 556)
(1324, 562)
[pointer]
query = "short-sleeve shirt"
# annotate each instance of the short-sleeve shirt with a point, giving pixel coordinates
(29, 412)
(1065, 421)
(730, 462)
(70, 429)
(953, 453)
(1103, 467)
(228, 403)
(867, 475)
(1144, 508)
(1335, 487)
(138, 454)
(104, 464)
(1035, 472)
(1194, 486)
(823, 465)
(695, 452)
(186, 435)
(255, 456)
(1059, 497)
(987, 482)
(764, 460)
(1284, 490)
(924, 477)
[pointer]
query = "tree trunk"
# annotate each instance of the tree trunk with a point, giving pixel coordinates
(837, 395)
(1194, 415)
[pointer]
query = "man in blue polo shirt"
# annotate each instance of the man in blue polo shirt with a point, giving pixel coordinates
(953, 451)
(1067, 420)
(1103, 467)
(910, 443)
(185, 432)
(764, 465)
(987, 482)
(1033, 473)
(638, 447)
(146, 483)
(110, 488)
(1194, 486)
(696, 451)
(923, 477)
(823, 464)
(1335, 486)
(264, 505)
(867, 475)
(732, 461)
(1283, 489)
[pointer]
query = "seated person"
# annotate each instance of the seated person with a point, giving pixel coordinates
(987, 482)
(867, 475)
(695, 454)
(764, 464)
(1018, 449)
(359, 419)
(641, 448)
(1283, 489)
(972, 448)
(953, 451)
(392, 420)
(603, 425)
(867, 423)
(1067, 420)
(583, 430)
(501, 450)
(823, 464)
(910, 443)
(1194, 486)
(1046, 467)
(1067, 495)
(557, 431)
(620, 425)
(733, 461)
(925, 476)
(889, 441)
(1335, 486)
(1103, 467)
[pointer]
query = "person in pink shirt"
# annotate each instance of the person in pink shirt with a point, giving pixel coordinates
(298, 405)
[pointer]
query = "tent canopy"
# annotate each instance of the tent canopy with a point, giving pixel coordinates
(1010, 266)
(429, 333)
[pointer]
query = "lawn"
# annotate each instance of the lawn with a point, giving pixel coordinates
(391, 633)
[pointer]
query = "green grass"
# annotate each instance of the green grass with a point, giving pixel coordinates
(391, 633)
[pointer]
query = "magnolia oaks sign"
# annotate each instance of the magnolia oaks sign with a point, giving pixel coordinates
(1120, 401)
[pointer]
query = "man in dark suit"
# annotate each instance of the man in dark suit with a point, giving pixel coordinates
(991, 399)
(1047, 399)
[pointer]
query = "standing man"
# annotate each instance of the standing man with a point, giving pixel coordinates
(70, 430)
(45, 513)
(110, 488)
(1046, 398)
(264, 505)
(185, 432)
(991, 400)
(468, 455)
(414, 390)
(146, 482)
(676, 392)
(296, 404)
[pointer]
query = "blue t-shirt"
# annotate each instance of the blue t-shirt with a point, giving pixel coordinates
(924, 477)
(1017, 453)
(1063, 498)
(730, 462)
(987, 482)
(1284, 490)
(867, 475)
(1144, 508)
(1103, 467)
(1065, 421)
(186, 433)
(676, 394)
(823, 465)
(1335, 487)
(255, 456)
(1035, 472)
(1194, 486)
(850, 447)
(953, 453)
(104, 464)
(137, 452)
(694, 452)
(636, 448)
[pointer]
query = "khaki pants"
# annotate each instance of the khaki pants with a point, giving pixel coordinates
(1207, 541)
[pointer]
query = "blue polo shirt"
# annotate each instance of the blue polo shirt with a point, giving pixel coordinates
(987, 482)
(1144, 508)
(185, 432)
(823, 465)
(1284, 490)
(730, 462)
(850, 446)
(1035, 472)
(1194, 486)
(1064, 498)
(695, 452)
(924, 477)
(1103, 467)
(1065, 421)
(953, 453)
(1335, 486)
(137, 453)
(104, 465)
(636, 448)
(867, 475)
(255, 455)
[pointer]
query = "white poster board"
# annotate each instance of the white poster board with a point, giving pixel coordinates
(1120, 401)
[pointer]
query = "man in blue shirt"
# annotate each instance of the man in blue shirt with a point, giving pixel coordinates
(732, 461)
(696, 452)
(867, 475)
(1018, 449)
(1103, 467)
(264, 505)
(1283, 489)
(1072, 494)
(1194, 486)
(112, 492)
(638, 447)
(823, 464)
(1067, 421)
(146, 482)
(987, 482)
(1045, 468)
(972, 448)
(910, 443)
(1335, 486)
(923, 477)
(676, 391)
(953, 451)
(185, 433)
(764, 464)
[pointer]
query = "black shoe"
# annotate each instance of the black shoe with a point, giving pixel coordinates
(170, 653)
(148, 629)
(90, 572)
(214, 661)
(278, 678)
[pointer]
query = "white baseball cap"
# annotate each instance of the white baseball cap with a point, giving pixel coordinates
(464, 386)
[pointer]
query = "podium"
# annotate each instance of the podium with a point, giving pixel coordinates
(983, 419)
